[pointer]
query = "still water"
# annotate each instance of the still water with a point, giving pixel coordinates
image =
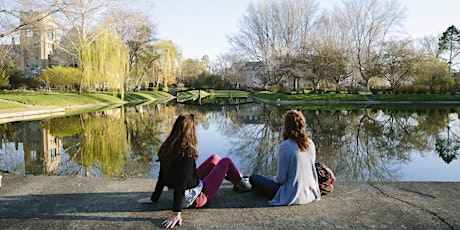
(358, 144)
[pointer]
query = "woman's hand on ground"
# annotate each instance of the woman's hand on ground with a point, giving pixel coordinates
(171, 222)
(146, 200)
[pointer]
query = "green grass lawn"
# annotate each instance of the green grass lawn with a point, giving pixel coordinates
(4, 104)
(13, 99)
(146, 95)
(338, 97)
(417, 97)
(22, 99)
(229, 93)
(191, 94)
(310, 97)
(60, 100)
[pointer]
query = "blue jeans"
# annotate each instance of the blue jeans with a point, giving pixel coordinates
(263, 186)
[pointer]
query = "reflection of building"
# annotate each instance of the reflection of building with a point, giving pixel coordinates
(42, 151)
(250, 113)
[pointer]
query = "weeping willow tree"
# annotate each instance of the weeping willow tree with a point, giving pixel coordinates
(166, 66)
(104, 62)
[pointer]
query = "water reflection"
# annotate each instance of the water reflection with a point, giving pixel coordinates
(360, 145)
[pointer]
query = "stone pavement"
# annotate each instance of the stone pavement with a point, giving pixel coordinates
(55, 202)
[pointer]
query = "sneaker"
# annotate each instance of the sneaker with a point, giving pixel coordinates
(245, 186)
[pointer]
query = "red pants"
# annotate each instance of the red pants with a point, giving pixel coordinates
(212, 172)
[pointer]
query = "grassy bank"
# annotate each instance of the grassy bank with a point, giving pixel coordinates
(5, 105)
(270, 96)
(24, 99)
(147, 95)
(417, 97)
(229, 93)
(337, 97)
(191, 94)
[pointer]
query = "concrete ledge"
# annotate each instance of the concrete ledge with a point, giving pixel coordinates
(44, 112)
(36, 202)
(23, 114)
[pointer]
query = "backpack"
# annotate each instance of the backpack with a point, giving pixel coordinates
(324, 179)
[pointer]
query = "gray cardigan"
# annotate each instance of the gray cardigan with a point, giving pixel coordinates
(296, 174)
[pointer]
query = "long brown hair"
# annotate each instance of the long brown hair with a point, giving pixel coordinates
(182, 136)
(295, 128)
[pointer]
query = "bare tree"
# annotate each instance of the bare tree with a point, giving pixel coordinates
(429, 46)
(222, 64)
(368, 24)
(134, 28)
(397, 62)
(11, 20)
(272, 30)
(328, 58)
(79, 21)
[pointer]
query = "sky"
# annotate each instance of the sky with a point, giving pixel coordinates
(201, 27)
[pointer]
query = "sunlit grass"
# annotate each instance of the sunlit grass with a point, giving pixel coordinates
(270, 96)
(229, 93)
(23, 99)
(191, 94)
(10, 105)
(326, 97)
(146, 95)
(417, 97)
(265, 95)
(60, 100)
(340, 97)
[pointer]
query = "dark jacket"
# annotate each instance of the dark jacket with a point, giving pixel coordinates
(180, 177)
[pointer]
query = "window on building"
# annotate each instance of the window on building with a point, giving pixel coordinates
(53, 153)
(29, 33)
(50, 34)
(33, 154)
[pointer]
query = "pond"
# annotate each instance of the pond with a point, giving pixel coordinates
(364, 144)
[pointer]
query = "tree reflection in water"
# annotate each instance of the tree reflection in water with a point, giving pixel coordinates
(448, 140)
(97, 144)
(359, 145)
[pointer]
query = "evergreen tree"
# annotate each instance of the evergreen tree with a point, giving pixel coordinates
(449, 45)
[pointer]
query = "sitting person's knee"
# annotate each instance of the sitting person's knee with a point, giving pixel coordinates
(226, 160)
(215, 158)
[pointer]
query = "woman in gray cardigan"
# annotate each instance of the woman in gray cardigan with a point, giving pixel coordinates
(296, 180)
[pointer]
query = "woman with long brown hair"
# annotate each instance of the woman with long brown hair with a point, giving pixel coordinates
(296, 180)
(191, 187)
